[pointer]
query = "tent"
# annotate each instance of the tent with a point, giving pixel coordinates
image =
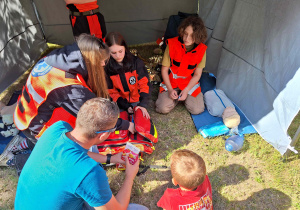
(253, 47)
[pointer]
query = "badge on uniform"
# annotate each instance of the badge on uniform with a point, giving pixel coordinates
(40, 69)
(132, 80)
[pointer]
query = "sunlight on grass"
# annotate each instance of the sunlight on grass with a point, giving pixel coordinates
(256, 177)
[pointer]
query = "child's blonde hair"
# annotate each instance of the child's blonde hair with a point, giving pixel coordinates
(188, 169)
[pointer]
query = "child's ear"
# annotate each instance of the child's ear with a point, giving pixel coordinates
(174, 182)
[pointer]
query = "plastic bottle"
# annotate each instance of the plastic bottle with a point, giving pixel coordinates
(234, 143)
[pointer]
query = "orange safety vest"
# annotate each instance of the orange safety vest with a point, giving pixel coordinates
(42, 80)
(183, 65)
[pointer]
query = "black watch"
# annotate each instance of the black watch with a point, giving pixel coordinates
(108, 158)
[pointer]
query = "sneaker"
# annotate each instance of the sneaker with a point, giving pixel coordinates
(7, 160)
(10, 146)
(11, 161)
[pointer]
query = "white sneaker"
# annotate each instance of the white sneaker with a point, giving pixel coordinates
(8, 149)
(3, 161)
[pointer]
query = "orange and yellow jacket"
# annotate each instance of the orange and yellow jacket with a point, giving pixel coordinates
(55, 90)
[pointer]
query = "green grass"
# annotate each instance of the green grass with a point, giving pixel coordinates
(256, 177)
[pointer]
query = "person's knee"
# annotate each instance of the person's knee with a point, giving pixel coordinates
(196, 110)
(195, 105)
(162, 109)
(164, 104)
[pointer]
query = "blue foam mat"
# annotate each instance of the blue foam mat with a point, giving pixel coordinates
(210, 126)
(5, 140)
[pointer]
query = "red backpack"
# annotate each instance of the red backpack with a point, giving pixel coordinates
(144, 138)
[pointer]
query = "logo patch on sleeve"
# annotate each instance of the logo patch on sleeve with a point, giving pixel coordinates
(40, 69)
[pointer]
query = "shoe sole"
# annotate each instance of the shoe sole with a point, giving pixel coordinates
(17, 139)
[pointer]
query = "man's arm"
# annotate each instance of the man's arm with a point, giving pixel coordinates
(102, 158)
(121, 200)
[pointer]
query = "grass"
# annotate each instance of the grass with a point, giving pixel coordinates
(256, 177)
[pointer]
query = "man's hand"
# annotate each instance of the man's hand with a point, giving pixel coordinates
(173, 94)
(131, 128)
(183, 95)
(144, 111)
(130, 110)
(117, 158)
(122, 198)
(131, 170)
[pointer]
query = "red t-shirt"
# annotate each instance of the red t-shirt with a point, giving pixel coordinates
(177, 199)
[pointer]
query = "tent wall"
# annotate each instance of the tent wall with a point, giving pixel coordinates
(21, 41)
(254, 51)
(253, 47)
(138, 21)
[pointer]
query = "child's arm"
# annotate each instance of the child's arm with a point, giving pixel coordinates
(195, 79)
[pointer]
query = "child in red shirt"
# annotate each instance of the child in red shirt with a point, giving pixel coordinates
(194, 192)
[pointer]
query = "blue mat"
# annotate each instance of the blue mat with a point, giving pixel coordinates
(210, 126)
(5, 140)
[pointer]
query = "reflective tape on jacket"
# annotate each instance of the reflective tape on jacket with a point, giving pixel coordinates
(42, 80)
(196, 89)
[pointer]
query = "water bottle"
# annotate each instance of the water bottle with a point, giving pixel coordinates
(234, 143)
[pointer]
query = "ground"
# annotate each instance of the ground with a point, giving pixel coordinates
(256, 177)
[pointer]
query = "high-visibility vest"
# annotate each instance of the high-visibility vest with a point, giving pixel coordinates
(42, 80)
(183, 65)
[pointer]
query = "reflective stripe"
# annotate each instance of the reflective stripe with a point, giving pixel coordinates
(164, 86)
(18, 123)
(194, 88)
(39, 99)
(176, 77)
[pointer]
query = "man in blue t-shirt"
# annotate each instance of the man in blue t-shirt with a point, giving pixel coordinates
(59, 174)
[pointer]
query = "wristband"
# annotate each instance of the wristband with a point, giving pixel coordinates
(108, 158)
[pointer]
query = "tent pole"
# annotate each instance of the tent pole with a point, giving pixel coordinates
(293, 143)
(38, 18)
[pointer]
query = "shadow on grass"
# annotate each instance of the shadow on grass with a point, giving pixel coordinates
(269, 198)
(144, 194)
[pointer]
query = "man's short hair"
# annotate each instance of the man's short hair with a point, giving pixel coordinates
(188, 169)
(97, 114)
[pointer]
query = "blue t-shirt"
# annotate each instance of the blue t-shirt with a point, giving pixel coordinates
(60, 175)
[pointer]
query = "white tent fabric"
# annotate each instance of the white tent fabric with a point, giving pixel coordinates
(254, 51)
(253, 47)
